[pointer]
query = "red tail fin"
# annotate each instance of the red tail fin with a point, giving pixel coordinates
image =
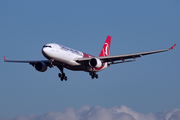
(106, 47)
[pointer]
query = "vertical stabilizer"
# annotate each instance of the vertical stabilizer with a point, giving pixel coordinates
(106, 47)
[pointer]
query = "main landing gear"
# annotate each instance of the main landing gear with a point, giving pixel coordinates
(62, 75)
(93, 75)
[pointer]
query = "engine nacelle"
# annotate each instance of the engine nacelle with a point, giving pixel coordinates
(95, 63)
(41, 66)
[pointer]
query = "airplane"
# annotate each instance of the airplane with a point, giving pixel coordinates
(65, 57)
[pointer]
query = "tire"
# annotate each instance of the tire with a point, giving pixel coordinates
(59, 75)
(96, 76)
(65, 78)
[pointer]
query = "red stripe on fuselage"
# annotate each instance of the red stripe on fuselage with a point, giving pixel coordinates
(87, 55)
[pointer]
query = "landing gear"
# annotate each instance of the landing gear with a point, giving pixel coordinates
(62, 75)
(51, 63)
(93, 75)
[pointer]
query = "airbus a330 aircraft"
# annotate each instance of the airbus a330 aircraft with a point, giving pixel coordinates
(64, 57)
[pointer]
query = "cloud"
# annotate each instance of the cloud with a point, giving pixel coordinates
(100, 113)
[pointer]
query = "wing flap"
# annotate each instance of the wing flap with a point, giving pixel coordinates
(118, 57)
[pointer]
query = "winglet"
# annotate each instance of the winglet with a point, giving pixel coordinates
(5, 58)
(172, 46)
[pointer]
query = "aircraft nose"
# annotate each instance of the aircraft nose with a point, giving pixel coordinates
(45, 52)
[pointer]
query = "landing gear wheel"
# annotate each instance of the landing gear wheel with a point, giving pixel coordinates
(93, 75)
(65, 78)
(62, 76)
(59, 75)
(96, 76)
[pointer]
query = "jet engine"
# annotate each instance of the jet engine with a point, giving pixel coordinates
(41, 66)
(95, 62)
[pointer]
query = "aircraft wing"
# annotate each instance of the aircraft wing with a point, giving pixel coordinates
(122, 58)
(30, 62)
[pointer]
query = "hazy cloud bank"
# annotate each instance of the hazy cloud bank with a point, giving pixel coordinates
(100, 113)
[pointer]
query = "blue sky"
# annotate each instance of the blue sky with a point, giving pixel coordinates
(149, 85)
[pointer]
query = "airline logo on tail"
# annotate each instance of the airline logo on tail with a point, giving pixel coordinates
(106, 47)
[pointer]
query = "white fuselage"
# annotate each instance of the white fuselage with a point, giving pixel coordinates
(66, 57)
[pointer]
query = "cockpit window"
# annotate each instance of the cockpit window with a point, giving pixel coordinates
(47, 46)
